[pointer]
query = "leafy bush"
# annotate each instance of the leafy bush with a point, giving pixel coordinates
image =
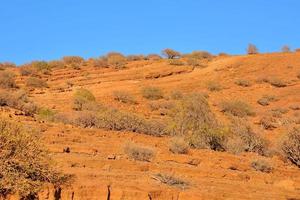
(7, 80)
(25, 167)
(124, 97)
(36, 83)
(138, 152)
(243, 83)
(171, 54)
(252, 49)
(82, 97)
(237, 108)
(290, 146)
(152, 93)
(262, 165)
(178, 145)
(213, 86)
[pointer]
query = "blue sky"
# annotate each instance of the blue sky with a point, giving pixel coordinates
(49, 29)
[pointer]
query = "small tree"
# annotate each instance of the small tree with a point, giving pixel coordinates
(252, 49)
(171, 54)
(285, 49)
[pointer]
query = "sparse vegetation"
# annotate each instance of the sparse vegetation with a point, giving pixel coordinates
(138, 152)
(262, 165)
(286, 49)
(152, 93)
(290, 146)
(266, 99)
(176, 95)
(214, 86)
(171, 180)
(252, 49)
(116, 60)
(243, 83)
(178, 145)
(237, 108)
(276, 82)
(176, 62)
(7, 80)
(25, 167)
(171, 54)
(153, 57)
(69, 60)
(34, 82)
(46, 114)
(82, 97)
(124, 97)
(200, 55)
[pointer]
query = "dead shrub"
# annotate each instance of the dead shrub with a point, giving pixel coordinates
(170, 53)
(161, 105)
(124, 97)
(178, 145)
(82, 97)
(69, 60)
(262, 165)
(138, 152)
(86, 119)
(152, 93)
(268, 122)
(252, 49)
(7, 79)
(290, 146)
(171, 180)
(286, 49)
(33, 82)
(27, 70)
(116, 60)
(193, 62)
(243, 139)
(25, 166)
(176, 62)
(276, 82)
(243, 83)
(266, 99)
(237, 108)
(213, 86)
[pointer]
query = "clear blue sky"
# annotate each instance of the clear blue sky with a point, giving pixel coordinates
(50, 29)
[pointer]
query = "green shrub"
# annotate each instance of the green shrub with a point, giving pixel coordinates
(36, 83)
(46, 114)
(152, 93)
(7, 80)
(290, 146)
(124, 97)
(82, 97)
(25, 167)
(138, 152)
(262, 165)
(237, 108)
(178, 145)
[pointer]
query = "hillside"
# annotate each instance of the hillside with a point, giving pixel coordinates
(268, 83)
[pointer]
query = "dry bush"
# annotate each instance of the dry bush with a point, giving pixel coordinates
(176, 95)
(170, 53)
(113, 119)
(222, 54)
(191, 114)
(116, 60)
(138, 152)
(27, 70)
(286, 49)
(153, 57)
(25, 166)
(266, 99)
(290, 146)
(178, 145)
(295, 107)
(40, 66)
(34, 82)
(268, 122)
(135, 57)
(200, 55)
(5, 65)
(56, 64)
(213, 86)
(276, 82)
(69, 60)
(243, 139)
(252, 49)
(99, 62)
(176, 62)
(86, 119)
(18, 100)
(152, 93)
(194, 62)
(46, 114)
(124, 97)
(237, 108)
(243, 83)
(171, 180)
(162, 106)
(7, 80)
(82, 97)
(262, 165)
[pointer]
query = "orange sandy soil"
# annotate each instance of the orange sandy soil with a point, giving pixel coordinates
(97, 157)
